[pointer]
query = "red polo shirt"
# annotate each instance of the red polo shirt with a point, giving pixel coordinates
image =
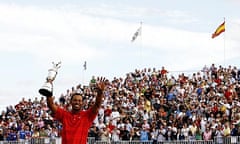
(75, 126)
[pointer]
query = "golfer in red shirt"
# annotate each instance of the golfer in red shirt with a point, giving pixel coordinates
(77, 122)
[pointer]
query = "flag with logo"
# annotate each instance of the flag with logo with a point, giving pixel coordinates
(137, 33)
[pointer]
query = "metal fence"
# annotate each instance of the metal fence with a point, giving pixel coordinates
(227, 140)
(164, 142)
(34, 141)
(216, 140)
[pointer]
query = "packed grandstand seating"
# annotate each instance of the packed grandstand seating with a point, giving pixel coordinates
(147, 104)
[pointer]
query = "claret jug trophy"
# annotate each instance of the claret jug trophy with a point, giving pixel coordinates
(47, 88)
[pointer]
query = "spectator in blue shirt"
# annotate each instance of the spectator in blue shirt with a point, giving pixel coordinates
(144, 135)
(12, 135)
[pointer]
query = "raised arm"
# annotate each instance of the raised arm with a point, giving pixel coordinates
(51, 105)
(100, 86)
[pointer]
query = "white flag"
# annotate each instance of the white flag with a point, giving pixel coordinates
(137, 33)
(85, 65)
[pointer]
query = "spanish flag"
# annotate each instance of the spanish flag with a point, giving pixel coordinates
(219, 30)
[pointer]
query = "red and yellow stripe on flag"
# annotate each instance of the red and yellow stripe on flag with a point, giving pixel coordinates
(219, 30)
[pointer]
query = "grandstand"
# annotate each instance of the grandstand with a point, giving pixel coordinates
(145, 106)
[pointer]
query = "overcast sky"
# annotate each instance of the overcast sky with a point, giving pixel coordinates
(175, 34)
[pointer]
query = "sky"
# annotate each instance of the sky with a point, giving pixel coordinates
(175, 34)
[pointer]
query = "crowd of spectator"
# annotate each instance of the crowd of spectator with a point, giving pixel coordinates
(147, 104)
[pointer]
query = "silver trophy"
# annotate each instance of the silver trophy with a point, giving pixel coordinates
(47, 88)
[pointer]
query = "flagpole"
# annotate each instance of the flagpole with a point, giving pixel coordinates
(220, 29)
(83, 77)
(138, 33)
(140, 46)
(224, 46)
(84, 69)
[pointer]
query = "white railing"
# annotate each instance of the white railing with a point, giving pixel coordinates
(216, 140)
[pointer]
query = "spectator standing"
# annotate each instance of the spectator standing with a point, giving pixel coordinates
(128, 125)
(144, 135)
(53, 134)
(218, 135)
(198, 134)
(101, 124)
(226, 130)
(43, 133)
(169, 134)
(207, 135)
(146, 125)
(124, 133)
(185, 131)
(11, 135)
(107, 113)
(35, 133)
(24, 134)
(134, 134)
(234, 130)
(115, 135)
(1, 135)
(180, 135)
(163, 72)
(161, 134)
(105, 134)
(94, 132)
(115, 115)
(153, 135)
